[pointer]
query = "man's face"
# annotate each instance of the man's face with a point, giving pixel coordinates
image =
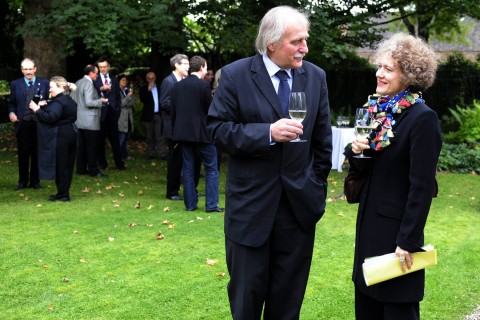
(182, 67)
(289, 51)
(29, 70)
(104, 67)
(151, 77)
(94, 75)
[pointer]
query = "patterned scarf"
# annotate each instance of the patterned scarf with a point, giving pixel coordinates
(383, 108)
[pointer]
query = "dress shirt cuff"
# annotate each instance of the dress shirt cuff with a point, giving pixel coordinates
(270, 134)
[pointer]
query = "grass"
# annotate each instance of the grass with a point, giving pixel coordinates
(97, 257)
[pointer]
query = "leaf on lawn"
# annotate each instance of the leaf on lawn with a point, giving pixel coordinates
(82, 260)
(171, 226)
(150, 225)
(132, 224)
(166, 209)
(140, 192)
(86, 190)
(121, 194)
(150, 207)
(220, 274)
(76, 231)
(116, 205)
(44, 266)
(21, 195)
(199, 218)
(191, 221)
(50, 307)
(65, 279)
(99, 191)
(39, 205)
(136, 178)
(111, 238)
(153, 164)
(165, 222)
(159, 236)
(110, 187)
(137, 205)
(211, 262)
(341, 214)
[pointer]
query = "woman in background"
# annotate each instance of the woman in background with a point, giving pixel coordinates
(57, 137)
(125, 121)
(400, 177)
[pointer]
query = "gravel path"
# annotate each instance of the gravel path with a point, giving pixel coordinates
(475, 314)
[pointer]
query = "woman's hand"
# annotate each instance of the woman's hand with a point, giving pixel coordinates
(405, 258)
(359, 144)
(34, 106)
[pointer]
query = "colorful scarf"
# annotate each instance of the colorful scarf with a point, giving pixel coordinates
(383, 108)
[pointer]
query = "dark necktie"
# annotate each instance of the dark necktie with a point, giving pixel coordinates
(106, 79)
(30, 84)
(283, 91)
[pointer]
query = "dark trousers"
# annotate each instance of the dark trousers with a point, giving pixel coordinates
(87, 152)
(109, 129)
(174, 168)
(273, 276)
(367, 308)
(27, 153)
(65, 160)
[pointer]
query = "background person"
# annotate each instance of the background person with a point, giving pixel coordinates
(125, 121)
(57, 137)
(274, 188)
(25, 122)
(400, 177)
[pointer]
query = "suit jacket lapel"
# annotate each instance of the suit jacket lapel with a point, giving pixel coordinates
(299, 80)
(262, 80)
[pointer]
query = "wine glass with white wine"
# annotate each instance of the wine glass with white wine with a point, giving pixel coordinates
(297, 109)
(362, 127)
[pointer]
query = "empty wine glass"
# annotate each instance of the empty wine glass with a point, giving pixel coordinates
(297, 109)
(362, 126)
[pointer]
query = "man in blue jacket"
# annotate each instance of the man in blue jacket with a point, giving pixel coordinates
(22, 91)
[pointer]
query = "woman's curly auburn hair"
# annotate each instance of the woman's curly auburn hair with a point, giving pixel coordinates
(415, 58)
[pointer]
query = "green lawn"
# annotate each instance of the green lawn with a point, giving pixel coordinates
(97, 257)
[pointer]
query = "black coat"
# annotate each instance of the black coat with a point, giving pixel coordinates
(396, 199)
(146, 97)
(243, 108)
(61, 110)
(191, 98)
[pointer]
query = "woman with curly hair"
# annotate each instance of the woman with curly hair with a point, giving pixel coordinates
(57, 136)
(403, 150)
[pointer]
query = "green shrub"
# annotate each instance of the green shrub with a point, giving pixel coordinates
(459, 158)
(468, 119)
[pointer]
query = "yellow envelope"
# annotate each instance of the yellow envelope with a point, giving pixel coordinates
(385, 267)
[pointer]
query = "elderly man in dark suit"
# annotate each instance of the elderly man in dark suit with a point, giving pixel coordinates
(108, 87)
(22, 92)
(189, 115)
(152, 117)
(180, 65)
(276, 189)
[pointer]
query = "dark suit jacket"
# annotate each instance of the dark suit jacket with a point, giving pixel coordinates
(165, 104)
(146, 97)
(243, 108)
(113, 96)
(17, 100)
(191, 98)
(396, 200)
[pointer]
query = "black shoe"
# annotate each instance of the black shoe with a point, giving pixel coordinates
(217, 209)
(100, 175)
(174, 198)
(62, 199)
(20, 186)
(36, 186)
(194, 209)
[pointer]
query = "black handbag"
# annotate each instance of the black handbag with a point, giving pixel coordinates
(353, 185)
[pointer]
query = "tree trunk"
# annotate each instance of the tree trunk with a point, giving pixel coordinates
(43, 50)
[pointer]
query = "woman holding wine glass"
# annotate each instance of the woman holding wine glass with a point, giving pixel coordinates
(401, 153)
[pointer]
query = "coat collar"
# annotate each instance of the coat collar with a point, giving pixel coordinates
(262, 80)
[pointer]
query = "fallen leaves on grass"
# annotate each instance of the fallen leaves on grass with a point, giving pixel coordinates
(159, 236)
(150, 207)
(76, 231)
(65, 279)
(166, 209)
(50, 307)
(220, 274)
(82, 260)
(211, 262)
(132, 224)
(111, 239)
(165, 222)
(140, 192)
(137, 205)
(86, 190)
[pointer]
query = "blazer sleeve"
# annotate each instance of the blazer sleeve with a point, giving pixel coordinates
(166, 94)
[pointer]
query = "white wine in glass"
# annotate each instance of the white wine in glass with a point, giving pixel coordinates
(297, 109)
(362, 126)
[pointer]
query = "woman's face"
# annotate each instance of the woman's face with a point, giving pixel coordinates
(123, 83)
(389, 77)
(54, 89)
